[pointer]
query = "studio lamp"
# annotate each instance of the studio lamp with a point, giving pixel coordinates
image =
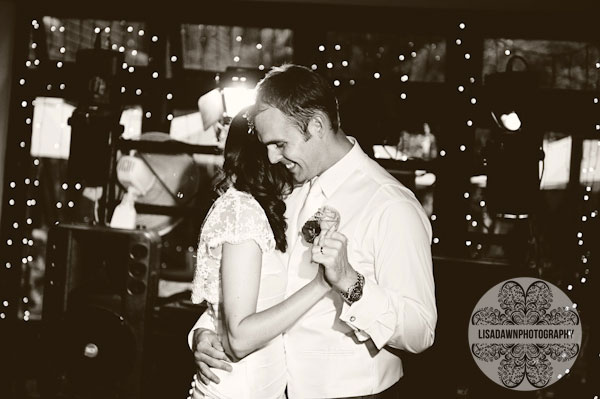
(513, 154)
(236, 90)
(509, 121)
(238, 86)
(511, 95)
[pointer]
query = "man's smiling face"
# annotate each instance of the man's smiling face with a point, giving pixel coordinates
(288, 145)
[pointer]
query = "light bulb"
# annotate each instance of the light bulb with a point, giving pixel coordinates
(511, 121)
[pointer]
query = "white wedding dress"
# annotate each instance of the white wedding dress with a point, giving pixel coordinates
(236, 217)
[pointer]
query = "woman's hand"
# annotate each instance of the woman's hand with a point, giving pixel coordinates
(320, 279)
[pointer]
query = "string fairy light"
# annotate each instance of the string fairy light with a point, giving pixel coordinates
(587, 174)
(463, 90)
(20, 241)
(466, 95)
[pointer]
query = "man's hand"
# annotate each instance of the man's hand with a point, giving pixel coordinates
(330, 249)
(209, 353)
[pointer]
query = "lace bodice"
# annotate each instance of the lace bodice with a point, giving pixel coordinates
(234, 217)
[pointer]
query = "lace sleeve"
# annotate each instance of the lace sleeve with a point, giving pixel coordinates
(234, 218)
(238, 218)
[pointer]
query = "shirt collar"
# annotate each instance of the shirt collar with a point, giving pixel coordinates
(333, 177)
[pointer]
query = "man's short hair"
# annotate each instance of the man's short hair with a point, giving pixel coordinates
(298, 93)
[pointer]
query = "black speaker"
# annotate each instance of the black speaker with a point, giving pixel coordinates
(100, 288)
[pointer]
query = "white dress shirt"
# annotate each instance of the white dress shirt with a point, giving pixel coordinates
(337, 350)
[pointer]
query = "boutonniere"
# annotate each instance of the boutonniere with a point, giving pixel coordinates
(323, 219)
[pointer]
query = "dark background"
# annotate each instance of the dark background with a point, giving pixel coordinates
(371, 110)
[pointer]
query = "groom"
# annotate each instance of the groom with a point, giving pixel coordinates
(378, 262)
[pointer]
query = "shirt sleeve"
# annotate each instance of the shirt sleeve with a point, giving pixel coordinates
(397, 307)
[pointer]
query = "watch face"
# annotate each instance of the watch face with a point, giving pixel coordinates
(354, 293)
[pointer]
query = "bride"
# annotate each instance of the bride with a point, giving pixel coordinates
(241, 277)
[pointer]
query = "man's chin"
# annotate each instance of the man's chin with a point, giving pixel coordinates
(297, 182)
(299, 175)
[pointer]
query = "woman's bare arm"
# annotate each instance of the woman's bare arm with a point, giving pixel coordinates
(248, 330)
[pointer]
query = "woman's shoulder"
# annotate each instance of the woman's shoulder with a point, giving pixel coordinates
(235, 197)
(236, 215)
(237, 203)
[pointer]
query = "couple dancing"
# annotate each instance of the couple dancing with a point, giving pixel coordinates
(294, 312)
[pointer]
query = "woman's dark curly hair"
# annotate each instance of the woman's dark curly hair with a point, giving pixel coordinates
(248, 169)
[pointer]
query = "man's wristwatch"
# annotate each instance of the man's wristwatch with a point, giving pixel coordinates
(355, 291)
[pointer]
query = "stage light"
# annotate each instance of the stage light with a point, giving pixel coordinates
(513, 154)
(236, 90)
(237, 98)
(510, 121)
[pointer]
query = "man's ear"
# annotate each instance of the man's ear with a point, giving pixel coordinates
(316, 125)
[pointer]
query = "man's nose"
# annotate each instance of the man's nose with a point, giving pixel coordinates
(274, 155)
